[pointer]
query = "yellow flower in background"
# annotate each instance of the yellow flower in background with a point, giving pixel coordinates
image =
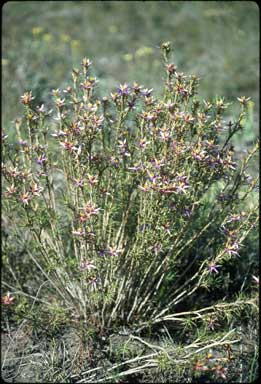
(65, 38)
(144, 51)
(5, 62)
(75, 43)
(47, 37)
(213, 12)
(113, 29)
(128, 57)
(37, 30)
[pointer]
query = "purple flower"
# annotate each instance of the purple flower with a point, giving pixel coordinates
(220, 371)
(59, 134)
(181, 177)
(92, 179)
(136, 87)
(181, 90)
(243, 99)
(156, 248)
(68, 146)
(213, 267)
(212, 324)
(79, 232)
(149, 116)
(146, 92)
(229, 164)
(123, 147)
(214, 162)
(79, 182)
(60, 102)
(90, 209)
(164, 135)
(199, 154)
(231, 234)
(11, 190)
(232, 249)
(35, 190)
(123, 90)
(168, 188)
(131, 105)
(27, 98)
(153, 178)
(87, 265)
(23, 143)
(41, 108)
(157, 163)
(60, 116)
(41, 159)
(143, 143)
(93, 282)
(166, 227)
(40, 173)
(89, 83)
(97, 120)
(234, 218)
(186, 212)
(25, 198)
(86, 62)
(135, 167)
(101, 252)
(7, 299)
(114, 161)
(13, 172)
(182, 183)
(247, 178)
(219, 127)
(171, 68)
(113, 251)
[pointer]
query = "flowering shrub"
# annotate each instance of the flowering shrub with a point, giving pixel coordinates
(131, 208)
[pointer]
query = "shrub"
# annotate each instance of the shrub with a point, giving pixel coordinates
(134, 210)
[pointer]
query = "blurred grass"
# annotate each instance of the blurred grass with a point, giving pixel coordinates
(42, 41)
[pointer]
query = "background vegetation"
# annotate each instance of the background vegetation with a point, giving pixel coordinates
(217, 41)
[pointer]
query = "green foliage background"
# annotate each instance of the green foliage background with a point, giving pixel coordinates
(42, 41)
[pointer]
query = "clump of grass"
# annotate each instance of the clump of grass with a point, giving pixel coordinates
(132, 209)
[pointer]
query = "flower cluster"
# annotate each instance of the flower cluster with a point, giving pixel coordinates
(217, 369)
(121, 193)
(7, 299)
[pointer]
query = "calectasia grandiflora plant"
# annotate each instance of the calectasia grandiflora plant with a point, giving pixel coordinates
(128, 205)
